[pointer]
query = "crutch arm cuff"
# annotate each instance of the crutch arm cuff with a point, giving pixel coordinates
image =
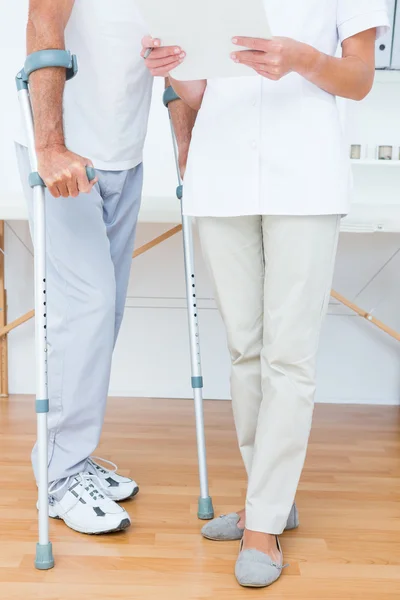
(170, 96)
(44, 59)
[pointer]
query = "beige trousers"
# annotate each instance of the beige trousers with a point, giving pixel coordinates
(272, 278)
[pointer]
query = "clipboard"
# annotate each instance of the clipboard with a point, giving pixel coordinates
(204, 30)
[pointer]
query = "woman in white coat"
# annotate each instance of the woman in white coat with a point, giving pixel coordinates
(268, 181)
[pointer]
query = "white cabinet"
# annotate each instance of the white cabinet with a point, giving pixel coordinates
(396, 40)
(384, 45)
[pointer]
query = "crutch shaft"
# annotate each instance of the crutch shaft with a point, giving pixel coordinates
(192, 299)
(40, 60)
(40, 293)
(201, 444)
(195, 355)
(42, 403)
(43, 494)
(205, 507)
(205, 510)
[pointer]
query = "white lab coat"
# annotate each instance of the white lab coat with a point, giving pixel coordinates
(262, 147)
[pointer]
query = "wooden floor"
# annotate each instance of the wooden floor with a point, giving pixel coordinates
(347, 547)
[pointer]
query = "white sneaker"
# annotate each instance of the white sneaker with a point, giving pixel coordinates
(115, 486)
(85, 508)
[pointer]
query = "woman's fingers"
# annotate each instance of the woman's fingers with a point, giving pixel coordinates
(149, 42)
(279, 56)
(259, 61)
(158, 51)
(254, 43)
(164, 52)
(268, 75)
(165, 69)
(264, 70)
(251, 62)
(254, 56)
(156, 63)
(162, 59)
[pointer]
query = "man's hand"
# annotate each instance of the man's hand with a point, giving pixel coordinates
(162, 60)
(274, 58)
(64, 172)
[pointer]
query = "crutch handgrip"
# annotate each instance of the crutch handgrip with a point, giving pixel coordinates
(35, 180)
(45, 59)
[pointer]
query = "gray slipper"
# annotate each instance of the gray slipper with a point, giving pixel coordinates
(225, 528)
(256, 569)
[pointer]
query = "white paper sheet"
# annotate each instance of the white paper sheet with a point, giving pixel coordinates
(204, 29)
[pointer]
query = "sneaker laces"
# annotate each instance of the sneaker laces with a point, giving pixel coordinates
(103, 473)
(53, 489)
(86, 480)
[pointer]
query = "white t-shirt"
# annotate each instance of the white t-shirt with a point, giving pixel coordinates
(106, 106)
(277, 148)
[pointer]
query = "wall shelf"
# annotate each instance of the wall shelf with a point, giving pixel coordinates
(370, 162)
(387, 76)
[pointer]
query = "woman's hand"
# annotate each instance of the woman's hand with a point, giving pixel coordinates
(162, 59)
(274, 58)
(351, 76)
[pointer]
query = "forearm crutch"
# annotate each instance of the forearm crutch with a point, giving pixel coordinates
(41, 60)
(205, 508)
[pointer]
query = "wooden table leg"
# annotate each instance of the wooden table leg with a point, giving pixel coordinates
(3, 320)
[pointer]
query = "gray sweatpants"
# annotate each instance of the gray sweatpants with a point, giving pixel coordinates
(90, 241)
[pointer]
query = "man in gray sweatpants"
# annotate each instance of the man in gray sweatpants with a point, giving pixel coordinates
(102, 116)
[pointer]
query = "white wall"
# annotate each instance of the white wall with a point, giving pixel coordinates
(357, 363)
(12, 52)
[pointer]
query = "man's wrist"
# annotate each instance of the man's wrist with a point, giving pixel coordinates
(45, 147)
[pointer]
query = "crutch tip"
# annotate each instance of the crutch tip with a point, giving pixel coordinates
(206, 509)
(44, 557)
